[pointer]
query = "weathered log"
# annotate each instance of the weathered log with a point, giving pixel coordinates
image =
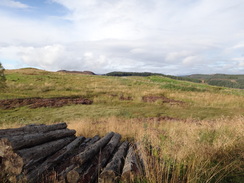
(131, 167)
(92, 150)
(30, 140)
(40, 153)
(33, 155)
(62, 176)
(52, 160)
(108, 150)
(67, 166)
(72, 177)
(89, 173)
(34, 128)
(141, 157)
(112, 171)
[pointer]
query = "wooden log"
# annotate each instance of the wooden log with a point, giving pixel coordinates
(72, 177)
(34, 128)
(108, 150)
(141, 157)
(54, 159)
(86, 155)
(131, 167)
(94, 139)
(90, 172)
(63, 174)
(112, 171)
(35, 154)
(67, 166)
(30, 140)
(92, 150)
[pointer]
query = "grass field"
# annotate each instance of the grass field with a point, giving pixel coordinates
(190, 133)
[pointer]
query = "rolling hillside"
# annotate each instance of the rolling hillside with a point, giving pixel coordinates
(189, 132)
(231, 81)
(116, 96)
(224, 80)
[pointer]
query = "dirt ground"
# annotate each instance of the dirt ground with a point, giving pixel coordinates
(42, 102)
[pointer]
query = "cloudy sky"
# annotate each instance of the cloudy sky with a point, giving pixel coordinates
(165, 36)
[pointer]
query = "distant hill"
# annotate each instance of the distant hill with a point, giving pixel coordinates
(121, 74)
(224, 80)
(231, 81)
(78, 72)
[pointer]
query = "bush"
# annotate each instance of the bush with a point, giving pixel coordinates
(2, 76)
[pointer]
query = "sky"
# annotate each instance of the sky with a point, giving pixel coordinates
(177, 37)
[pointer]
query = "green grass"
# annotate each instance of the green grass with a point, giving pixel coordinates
(200, 101)
(203, 141)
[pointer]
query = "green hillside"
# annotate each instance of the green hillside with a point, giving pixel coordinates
(116, 96)
(225, 80)
(188, 132)
(144, 74)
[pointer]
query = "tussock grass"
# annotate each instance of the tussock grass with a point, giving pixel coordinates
(108, 93)
(204, 142)
(180, 151)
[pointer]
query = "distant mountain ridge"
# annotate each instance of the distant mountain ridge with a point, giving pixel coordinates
(120, 74)
(78, 72)
(226, 80)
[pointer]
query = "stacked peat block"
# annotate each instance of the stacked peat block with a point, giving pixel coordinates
(47, 153)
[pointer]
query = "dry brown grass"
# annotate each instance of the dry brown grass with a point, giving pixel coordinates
(8, 125)
(180, 151)
(187, 150)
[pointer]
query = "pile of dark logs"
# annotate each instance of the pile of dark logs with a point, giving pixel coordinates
(52, 153)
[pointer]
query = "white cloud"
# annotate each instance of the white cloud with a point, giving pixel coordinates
(10, 66)
(107, 19)
(158, 36)
(192, 60)
(175, 56)
(20, 31)
(238, 46)
(238, 59)
(241, 64)
(44, 56)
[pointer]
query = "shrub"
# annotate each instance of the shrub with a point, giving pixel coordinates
(2, 76)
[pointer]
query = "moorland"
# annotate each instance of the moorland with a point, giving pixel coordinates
(190, 132)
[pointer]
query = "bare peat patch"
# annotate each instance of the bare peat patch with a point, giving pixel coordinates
(43, 102)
